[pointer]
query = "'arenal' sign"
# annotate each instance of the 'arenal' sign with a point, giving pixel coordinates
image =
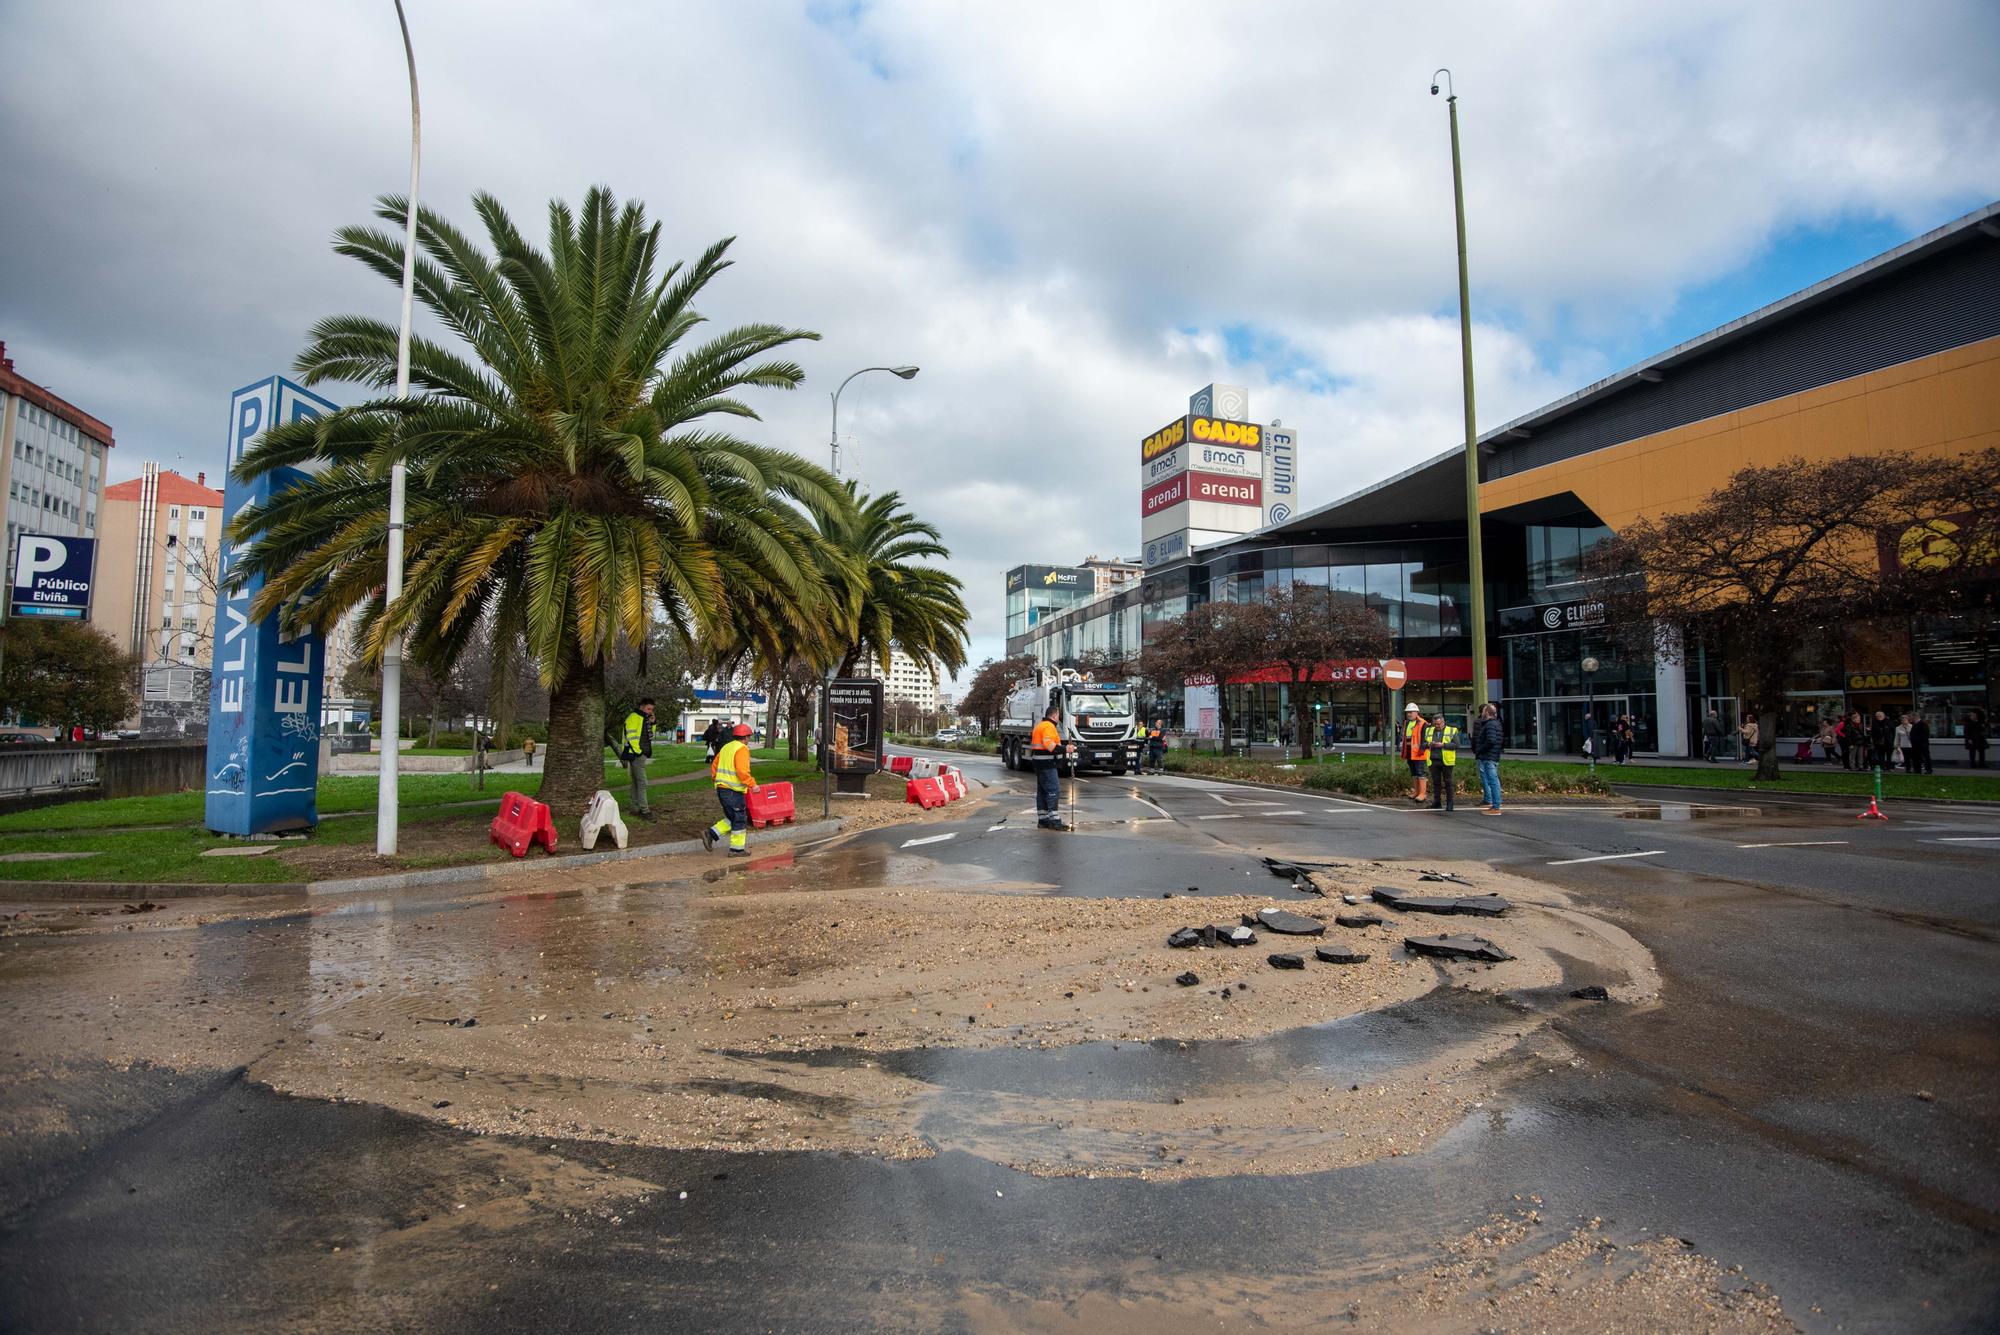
(265, 685)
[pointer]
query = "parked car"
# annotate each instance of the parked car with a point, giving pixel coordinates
(948, 735)
(22, 737)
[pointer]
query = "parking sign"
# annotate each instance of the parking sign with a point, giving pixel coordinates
(52, 576)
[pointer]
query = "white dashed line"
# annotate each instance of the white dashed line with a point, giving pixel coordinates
(1283, 813)
(1218, 818)
(1608, 857)
(1800, 843)
(933, 839)
(991, 828)
(1969, 839)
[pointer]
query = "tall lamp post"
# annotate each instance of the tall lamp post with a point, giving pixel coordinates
(392, 653)
(1590, 666)
(1472, 537)
(833, 461)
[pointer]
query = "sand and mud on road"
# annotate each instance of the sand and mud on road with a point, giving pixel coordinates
(840, 1003)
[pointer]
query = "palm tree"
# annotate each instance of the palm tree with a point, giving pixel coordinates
(915, 608)
(567, 475)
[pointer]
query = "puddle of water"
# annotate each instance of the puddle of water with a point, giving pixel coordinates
(1368, 1046)
(1683, 811)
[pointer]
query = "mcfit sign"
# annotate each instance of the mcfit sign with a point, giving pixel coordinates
(265, 683)
(1213, 474)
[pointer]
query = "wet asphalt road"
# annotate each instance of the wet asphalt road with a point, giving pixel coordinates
(1818, 974)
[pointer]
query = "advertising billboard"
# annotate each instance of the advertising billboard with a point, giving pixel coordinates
(1215, 431)
(1059, 578)
(1281, 474)
(1166, 438)
(1225, 490)
(1165, 466)
(1232, 460)
(52, 575)
(265, 683)
(854, 726)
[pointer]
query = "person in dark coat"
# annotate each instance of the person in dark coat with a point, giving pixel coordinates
(1712, 733)
(1881, 741)
(1489, 739)
(712, 738)
(1920, 745)
(1975, 739)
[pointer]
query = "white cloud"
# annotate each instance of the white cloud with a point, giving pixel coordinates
(1057, 210)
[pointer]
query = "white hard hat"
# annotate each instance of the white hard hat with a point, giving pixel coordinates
(1411, 709)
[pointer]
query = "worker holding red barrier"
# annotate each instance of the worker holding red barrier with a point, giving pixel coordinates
(731, 771)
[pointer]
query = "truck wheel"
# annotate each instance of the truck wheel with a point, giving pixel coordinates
(1119, 771)
(1007, 756)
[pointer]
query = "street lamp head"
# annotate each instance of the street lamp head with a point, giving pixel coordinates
(904, 371)
(1446, 76)
(1589, 665)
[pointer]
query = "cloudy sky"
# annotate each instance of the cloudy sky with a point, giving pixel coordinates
(1071, 215)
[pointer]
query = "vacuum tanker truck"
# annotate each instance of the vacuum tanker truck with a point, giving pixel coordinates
(1098, 719)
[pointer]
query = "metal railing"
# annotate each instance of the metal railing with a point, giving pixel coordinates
(31, 769)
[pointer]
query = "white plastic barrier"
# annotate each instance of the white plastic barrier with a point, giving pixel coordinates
(599, 816)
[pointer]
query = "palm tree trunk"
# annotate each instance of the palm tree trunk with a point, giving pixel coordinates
(574, 770)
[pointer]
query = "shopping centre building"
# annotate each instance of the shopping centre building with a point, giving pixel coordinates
(1901, 353)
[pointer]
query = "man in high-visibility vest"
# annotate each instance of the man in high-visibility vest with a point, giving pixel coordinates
(731, 771)
(1045, 753)
(1441, 741)
(1415, 751)
(1156, 747)
(635, 749)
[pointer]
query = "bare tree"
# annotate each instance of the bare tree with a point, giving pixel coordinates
(1216, 640)
(1766, 555)
(1308, 631)
(996, 679)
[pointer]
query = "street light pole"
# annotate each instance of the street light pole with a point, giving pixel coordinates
(1472, 535)
(826, 712)
(833, 445)
(392, 653)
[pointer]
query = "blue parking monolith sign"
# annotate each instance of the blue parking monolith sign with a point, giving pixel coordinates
(266, 684)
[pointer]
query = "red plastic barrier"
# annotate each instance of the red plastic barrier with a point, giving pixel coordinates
(926, 793)
(522, 823)
(901, 764)
(954, 784)
(771, 804)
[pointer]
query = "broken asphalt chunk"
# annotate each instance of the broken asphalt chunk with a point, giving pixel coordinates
(1288, 961)
(1480, 906)
(1451, 876)
(1591, 993)
(1188, 979)
(1286, 923)
(1456, 948)
(1360, 920)
(1184, 938)
(1338, 954)
(1235, 936)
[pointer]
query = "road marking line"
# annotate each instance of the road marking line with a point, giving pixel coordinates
(991, 828)
(1281, 813)
(1154, 805)
(1798, 843)
(1969, 839)
(1218, 818)
(933, 839)
(1608, 857)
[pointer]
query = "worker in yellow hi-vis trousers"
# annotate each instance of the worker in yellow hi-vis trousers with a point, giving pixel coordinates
(731, 772)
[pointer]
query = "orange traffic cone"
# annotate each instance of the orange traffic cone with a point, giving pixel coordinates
(1874, 812)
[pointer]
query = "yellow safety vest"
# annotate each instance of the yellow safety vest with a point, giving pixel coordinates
(731, 768)
(1444, 741)
(635, 735)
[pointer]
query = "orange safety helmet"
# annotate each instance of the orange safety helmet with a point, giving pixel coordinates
(740, 730)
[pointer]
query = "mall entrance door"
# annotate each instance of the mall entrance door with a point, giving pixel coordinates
(1562, 723)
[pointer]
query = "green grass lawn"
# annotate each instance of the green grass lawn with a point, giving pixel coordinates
(437, 833)
(1800, 779)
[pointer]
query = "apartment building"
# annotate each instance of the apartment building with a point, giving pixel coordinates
(53, 460)
(157, 565)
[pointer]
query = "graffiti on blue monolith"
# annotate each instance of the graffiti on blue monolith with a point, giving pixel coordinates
(265, 684)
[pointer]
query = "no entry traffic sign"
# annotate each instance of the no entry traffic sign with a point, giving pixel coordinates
(1394, 673)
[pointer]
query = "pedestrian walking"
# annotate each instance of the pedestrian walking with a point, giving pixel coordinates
(528, 751)
(730, 771)
(1975, 739)
(1590, 746)
(1881, 741)
(1828, 740)
(635, 751)
(1711, 736)
(1902, 743)
(712, 739)
(1415, 752)
(1489, 739)
(1045, 753)
(1920, 744)
(1442, 745)
(1749, 733)
(1156, 746)
(1853, 740)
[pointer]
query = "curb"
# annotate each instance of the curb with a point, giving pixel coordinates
(11, 891)
(1592, 803)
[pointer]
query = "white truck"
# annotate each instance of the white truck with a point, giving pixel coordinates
(1097, 719)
